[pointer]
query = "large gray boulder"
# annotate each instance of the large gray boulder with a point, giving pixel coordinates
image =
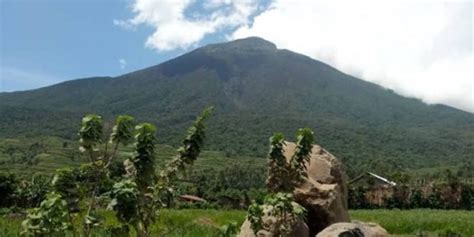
(354, 229)
(324, 193)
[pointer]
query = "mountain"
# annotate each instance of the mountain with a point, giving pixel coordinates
(257, 89)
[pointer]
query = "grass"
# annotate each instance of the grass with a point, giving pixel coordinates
(402, 222)
(206, 223)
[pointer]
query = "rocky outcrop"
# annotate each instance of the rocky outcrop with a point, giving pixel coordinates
(324, 193)
(355, 229)
(270, 228)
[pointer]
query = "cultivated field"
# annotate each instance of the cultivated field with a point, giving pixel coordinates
(207, 223)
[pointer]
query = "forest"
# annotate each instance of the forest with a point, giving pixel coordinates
(119, 170)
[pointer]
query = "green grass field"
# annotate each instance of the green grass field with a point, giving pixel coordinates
(196, 223)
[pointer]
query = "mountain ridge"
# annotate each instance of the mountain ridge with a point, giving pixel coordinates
(257, 89)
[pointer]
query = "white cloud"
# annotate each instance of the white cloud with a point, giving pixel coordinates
(177, 25)
(421, 49)
(123, 63)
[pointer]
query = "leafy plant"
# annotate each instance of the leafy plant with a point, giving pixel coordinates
(187, 154)
(65, 184)
(90, 134)
(282, 207)
(138, 198)
(124, 201)
(304, 145)
(229, 230)
(286, 210)
(50, 219)
(96, 173)
(255, 215)
(141, 172)
(283, 177)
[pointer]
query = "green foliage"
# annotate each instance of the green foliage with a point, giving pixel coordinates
(50, 219)
(256, 93)
(141, 169)
(137, 200)
(122, 132)
(124, 201)
(142, 165)
(204, 223)
(90, 133)
(284, 176)
(286, 210)
(227, 187)
(254, 215)
(230, 229)
(304, 145)
(30, 192)
(8, 186)
(193, 142)
(187, 154)
(65, 184)
(278, 171)
(282, 207)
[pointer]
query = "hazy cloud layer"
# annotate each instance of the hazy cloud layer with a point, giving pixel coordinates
(418, 48)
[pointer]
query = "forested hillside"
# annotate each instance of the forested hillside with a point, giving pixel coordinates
(256, 89)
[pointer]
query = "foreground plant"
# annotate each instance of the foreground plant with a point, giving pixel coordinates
(283, 177)
(138, 198)
(96, 172)
(51, 218)
(187, 154)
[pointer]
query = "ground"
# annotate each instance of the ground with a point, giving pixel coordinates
(206, 223)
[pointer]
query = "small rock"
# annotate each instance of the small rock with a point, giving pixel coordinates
(354, 229)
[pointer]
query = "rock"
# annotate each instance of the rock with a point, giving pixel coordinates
(324, 194)
(270, 225)
(354, 229)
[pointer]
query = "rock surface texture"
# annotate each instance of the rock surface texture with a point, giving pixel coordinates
(324, 193)
(271, 224)
(355, 229)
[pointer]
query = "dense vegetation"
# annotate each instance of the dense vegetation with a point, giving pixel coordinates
(257, 89)
(133, 190)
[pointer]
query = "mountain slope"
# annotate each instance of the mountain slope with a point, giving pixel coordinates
(257, 90)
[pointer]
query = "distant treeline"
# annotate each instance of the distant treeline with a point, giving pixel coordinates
(233, 188)
(434, 196)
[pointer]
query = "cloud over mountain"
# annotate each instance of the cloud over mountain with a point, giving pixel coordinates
(417, 48)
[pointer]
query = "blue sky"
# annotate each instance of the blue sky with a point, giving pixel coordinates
(418, 48)
(47, 41)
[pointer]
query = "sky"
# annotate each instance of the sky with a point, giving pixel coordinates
(421, 49)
